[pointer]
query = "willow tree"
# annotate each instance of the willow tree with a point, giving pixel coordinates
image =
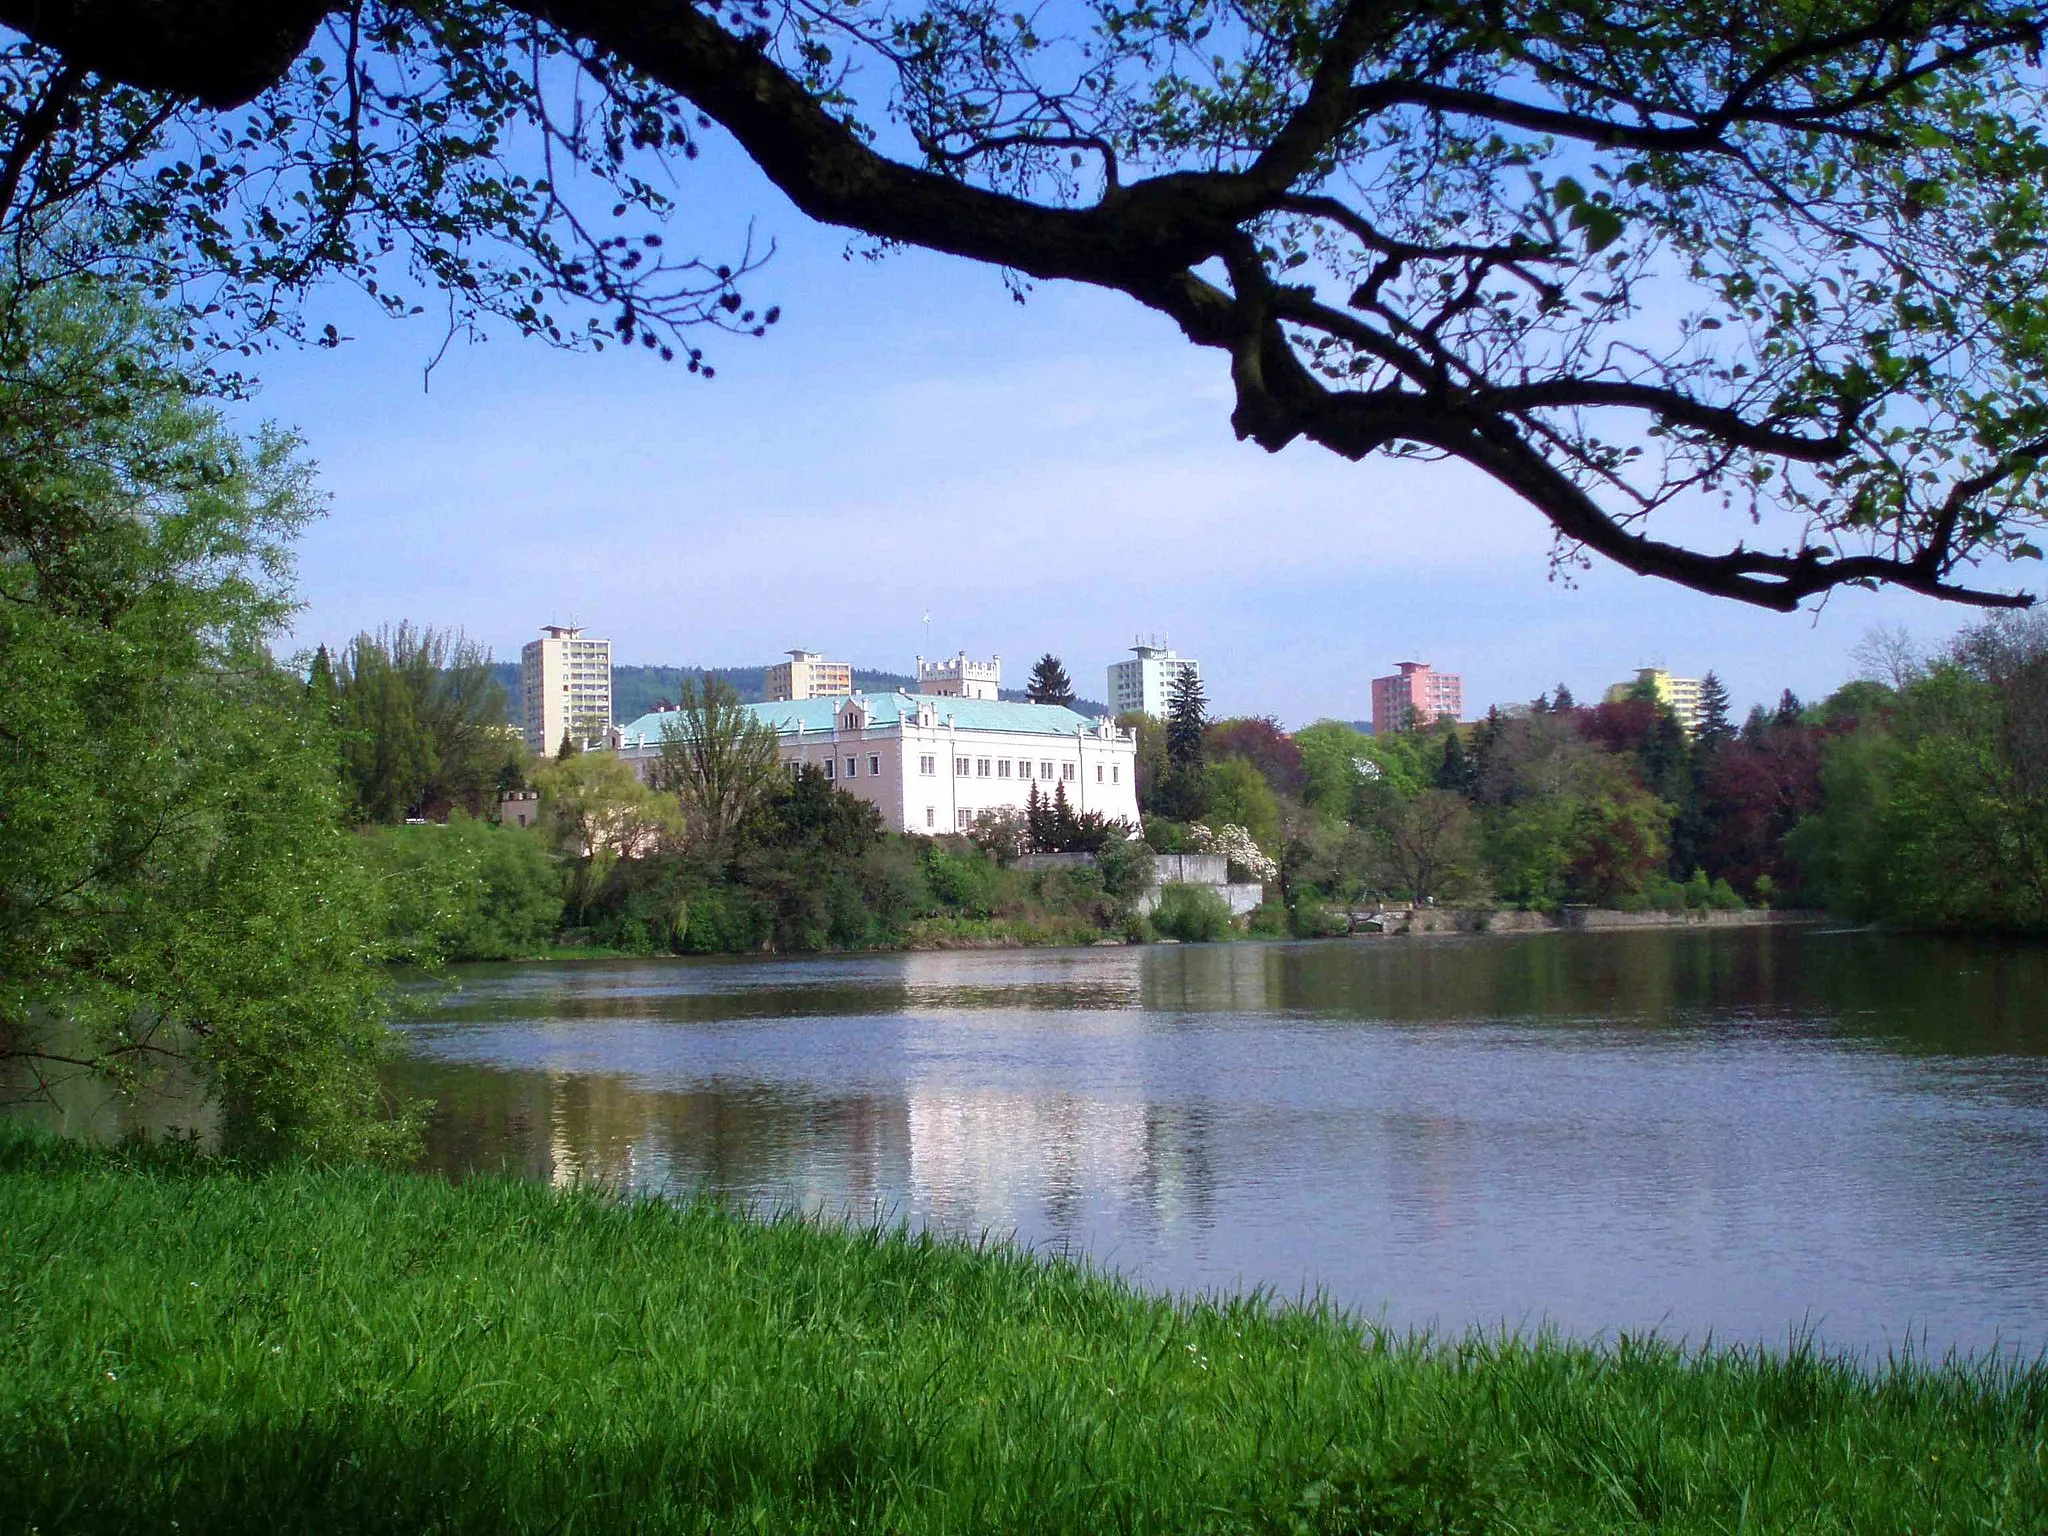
(1747, 298)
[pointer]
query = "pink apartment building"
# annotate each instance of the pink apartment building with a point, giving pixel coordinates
(1415, 693)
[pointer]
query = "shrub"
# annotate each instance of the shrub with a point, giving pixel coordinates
(464, 891)
(1127, 866)
(1270, 920)
(1192, 913)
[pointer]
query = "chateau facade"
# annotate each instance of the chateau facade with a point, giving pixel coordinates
(931, 763)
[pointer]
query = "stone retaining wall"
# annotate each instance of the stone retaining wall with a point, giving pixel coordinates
(1399, 920)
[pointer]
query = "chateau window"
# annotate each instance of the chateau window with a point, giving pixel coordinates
(928, 766)
(1067, 772)
(1098, 773)
(828, 768)
(1116, 775)
(1045, 770)
(931, 816)
(960, 767)
(1023, 769)
(960, 820)
(853, 767)
(1002, 768)
(981, 767)
(874, 766)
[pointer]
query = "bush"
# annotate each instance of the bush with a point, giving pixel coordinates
(1192, 913)
(465, 891)
(1164, 836)
(961, 877)
(1270, 920)
(1127, 866)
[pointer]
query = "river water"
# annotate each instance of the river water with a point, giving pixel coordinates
(1743, 1133)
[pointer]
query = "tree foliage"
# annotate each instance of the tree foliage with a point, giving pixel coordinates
(1935, 805)
(1638, 264)
(176, 886)
(718, 758)
(1049, 682)
(422, 724)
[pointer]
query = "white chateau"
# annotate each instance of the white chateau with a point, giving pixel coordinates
(933, 762)
(565, 687)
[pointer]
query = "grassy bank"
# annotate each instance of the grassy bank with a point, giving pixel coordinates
(358, 1351)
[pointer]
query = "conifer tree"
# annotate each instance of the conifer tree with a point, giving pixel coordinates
(1187, 717)
(1454, 773)
(1714, 727)
(1562, 699)
(1034, 818)
(1062, 824)
(320, 683)
(568, 748)
(1049, 682)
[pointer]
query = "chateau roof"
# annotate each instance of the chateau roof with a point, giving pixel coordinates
(787, 716)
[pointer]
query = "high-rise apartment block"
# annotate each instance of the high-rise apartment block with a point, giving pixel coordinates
(565, 686)
(1145, 682)
(807, 675)
(956, 677)
(1681, 695)
(1417, 694)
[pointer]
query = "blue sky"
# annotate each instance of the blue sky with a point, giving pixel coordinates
(1057, 475)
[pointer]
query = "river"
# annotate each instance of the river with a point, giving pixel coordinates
(1745, 1134)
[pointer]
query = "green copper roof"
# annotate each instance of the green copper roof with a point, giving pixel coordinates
(818, 715)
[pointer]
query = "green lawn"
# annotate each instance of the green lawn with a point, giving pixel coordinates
(185, 1346)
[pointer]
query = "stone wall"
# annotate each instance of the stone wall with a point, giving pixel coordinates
(1399, 920)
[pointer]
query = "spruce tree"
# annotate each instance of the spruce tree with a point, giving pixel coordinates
(1034, 819)
(320, 683)
(1454, 773)
(1714, 726)
(1049, 682)
(568, 748)
(1061, 824)
(1563, 699)
(1187, 717)
(1790, 710)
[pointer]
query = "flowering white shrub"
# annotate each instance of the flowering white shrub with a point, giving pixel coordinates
(1235, 844)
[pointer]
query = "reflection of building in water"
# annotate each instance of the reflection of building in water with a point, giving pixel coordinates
(981, 1157)
(1214, 978)
(1044, 982)
(773, 1147)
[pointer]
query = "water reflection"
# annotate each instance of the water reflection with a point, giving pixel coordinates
(1741, 1132)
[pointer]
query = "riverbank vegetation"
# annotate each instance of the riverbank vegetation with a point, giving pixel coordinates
(178, 888)
(195, 1346)
(1918, 801)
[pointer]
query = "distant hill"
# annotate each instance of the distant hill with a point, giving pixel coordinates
(636, 690)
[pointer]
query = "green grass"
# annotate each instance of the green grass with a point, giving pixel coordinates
(185, 1346)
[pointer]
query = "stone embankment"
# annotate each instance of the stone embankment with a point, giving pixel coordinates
(1211, 870)
(1413, 920)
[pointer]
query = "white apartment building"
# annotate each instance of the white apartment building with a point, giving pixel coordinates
(1146, 680)
(932, 764)
(807, 675)
(958, 678)
(565, 687)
